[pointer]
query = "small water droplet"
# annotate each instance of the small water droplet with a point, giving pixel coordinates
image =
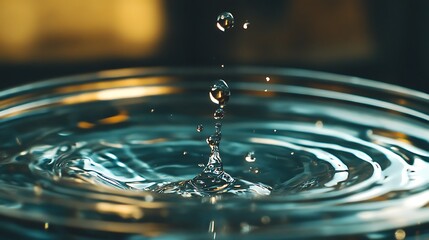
(152, 110)
(246, 25)
(219, 113)
(250, 157)
(254, 170)
(225, 21)
(184, 153)
(267, 79)
(275, 130)
(266, 90)
(319, 124)
(222, 65)
(219, 93)
(200, 128)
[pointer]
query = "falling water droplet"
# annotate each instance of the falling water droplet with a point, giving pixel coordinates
(250, 157)
(246, 25)
(225, 21)
(219, 113)
(152, 110)
(219, 93)
(267, 79)
(200, 128)
(254, 170)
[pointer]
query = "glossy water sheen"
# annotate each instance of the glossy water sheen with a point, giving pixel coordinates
(323, 155)
(225, 21)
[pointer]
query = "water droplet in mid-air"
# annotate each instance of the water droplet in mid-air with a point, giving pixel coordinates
(200, 128)
(225, 21)
(219, 93)
(250, 157)
(213, 179)
(219, 113)
(246, 25)
(267, 79)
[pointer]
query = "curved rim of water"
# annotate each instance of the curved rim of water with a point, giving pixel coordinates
(236, 70)
(239, 70)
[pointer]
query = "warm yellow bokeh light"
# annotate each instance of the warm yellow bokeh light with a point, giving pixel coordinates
(32, 30)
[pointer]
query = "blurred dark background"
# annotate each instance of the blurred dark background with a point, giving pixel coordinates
(380, 40)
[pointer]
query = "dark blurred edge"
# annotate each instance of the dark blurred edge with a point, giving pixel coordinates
(399, 28)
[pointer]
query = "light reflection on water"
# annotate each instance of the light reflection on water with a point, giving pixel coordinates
(333, 160)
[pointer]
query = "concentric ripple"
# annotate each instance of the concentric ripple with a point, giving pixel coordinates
(322, 155)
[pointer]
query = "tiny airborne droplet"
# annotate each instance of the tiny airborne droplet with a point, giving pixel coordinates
(219, 113)
(225, 21)
(267, 79)
(246, 25)
(200, 128)
(219, 93)
(250, 157)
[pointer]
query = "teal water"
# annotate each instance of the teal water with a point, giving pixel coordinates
(320, 157)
